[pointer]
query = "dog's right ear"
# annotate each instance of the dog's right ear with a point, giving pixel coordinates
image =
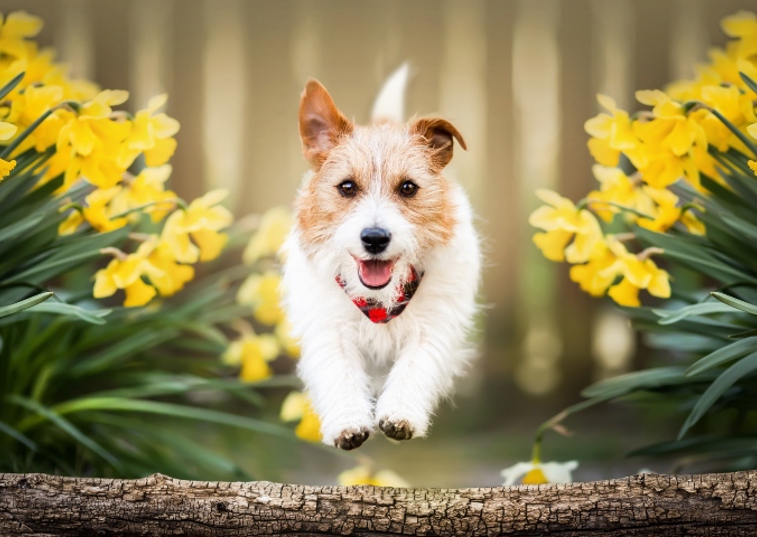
(321, 123)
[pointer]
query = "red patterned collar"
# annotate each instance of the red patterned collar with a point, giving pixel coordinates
(379, 314)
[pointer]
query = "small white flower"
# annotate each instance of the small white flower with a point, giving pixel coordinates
(536, 473)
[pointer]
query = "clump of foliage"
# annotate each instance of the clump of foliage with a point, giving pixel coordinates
(88, 389)
(677, 189)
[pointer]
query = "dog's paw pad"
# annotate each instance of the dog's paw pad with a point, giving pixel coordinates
(399, 430)
(351, 439)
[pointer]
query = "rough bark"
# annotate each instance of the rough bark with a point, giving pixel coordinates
(648, 505)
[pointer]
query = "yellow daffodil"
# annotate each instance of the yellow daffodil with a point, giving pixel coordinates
(261, 291)
(741, 25)
(666, 213)
(593, 277)
(253, 352)
(539, 473)
(7, 130)
(71, 223)
(560, 214)
(616, 128)
(753, 166)
(618, 190)
(639, 272)
(137, 291)
(20, 25)
(97, 212)
(15, 29)
(6, 167)
(364, 475)
(126, 272)
(151, 134)
(172, 275)
(693, 224)
(146, 191)
(273, 230)
(296, 406)
(210, 243)
(201, 221)
(35, 101)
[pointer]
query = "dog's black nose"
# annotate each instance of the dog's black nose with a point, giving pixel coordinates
(375, 239)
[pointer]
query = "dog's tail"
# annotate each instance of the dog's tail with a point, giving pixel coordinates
(390, 102)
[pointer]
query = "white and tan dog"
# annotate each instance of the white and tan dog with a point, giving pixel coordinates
(381, 272)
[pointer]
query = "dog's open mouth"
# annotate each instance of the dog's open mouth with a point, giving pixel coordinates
(373, 273)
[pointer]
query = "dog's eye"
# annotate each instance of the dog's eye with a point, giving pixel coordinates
(347, 188)
(408, 189)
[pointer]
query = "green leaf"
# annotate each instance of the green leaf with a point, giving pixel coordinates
(53, 266)
(744, 334)
(748, 81)
(65, 425)
(13, 433)
(173, 410)
(721, 192)
(700, 445)
(746, 140)
(19, 226)
(728, 378)
(623, 384)
(706, 308)
(24, 304)
(26, 132)
(696, 256)
(70, 310)
(12, 84)
(738, 224)
(123, 348)
(736, 303)
(723, 355)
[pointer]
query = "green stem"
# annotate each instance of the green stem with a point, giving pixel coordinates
(146, 205)
(740, 135)
(12, 84)
(12, 147)
(536, 451)
(622, 208)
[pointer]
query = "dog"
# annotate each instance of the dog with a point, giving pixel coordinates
(381, 271)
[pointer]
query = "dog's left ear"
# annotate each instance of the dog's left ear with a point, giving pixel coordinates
(438, 133)
(321, 123)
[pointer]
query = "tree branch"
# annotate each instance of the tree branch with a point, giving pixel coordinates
(640, 505)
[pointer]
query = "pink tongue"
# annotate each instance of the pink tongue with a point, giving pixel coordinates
(375, 273)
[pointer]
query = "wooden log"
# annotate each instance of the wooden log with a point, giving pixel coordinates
(646, 504)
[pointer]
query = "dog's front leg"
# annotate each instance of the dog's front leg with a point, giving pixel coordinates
(332, 370)
(421, 376)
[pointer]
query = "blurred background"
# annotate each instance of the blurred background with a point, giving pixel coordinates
(518, 78)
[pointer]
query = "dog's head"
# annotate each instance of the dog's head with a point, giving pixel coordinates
(376, 202)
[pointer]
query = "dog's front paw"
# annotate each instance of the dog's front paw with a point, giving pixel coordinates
(351, 438)
(399, 430)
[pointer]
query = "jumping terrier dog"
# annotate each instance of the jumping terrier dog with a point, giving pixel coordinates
(381, 272)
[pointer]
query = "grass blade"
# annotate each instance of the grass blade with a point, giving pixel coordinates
(670, 317)
(746, 307)
(65, 425)
(24, 304)
(70, 310)
(723, 355)
(173, 410)
(13, 433)
(728, 378)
